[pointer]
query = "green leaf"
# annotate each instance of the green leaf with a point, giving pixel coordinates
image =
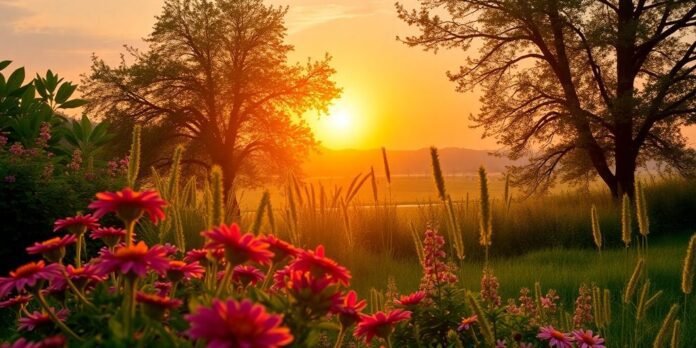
(51, 81)
(40, 87)
(75, 103)
(4, 64)
(15, 80)
(64, 92)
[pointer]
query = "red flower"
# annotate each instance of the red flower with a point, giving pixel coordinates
(467, 322)
(109, 235)
(130, 205)
(156, 306)
(411, 299)
(134, 260)
(245, 275)
(77, 224)
(201, 255)
(17, 300)
(238, 324)
(380, 324)
(320, 266)
(179, 270)
(28, 275)
(239, 248)
(52, 249)
(319, 294)
(84, 275)
(280, 248)
(57, 341)
(349, 309)
(39, 319)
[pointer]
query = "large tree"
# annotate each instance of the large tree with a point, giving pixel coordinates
(215, 76)
(577, 86)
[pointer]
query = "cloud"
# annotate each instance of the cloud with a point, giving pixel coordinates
(309, 13)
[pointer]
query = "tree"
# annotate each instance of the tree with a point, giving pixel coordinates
(578, 86)
(216, 77)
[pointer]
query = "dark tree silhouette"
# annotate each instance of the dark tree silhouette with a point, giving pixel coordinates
(588, 86)
(216, 76)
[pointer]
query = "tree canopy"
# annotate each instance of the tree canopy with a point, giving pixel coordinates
(215, 76)
(579, 87)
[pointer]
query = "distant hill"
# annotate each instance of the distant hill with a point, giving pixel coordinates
(454, 161)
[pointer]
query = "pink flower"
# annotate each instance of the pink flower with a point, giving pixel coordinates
(436, 272)
(109, 235)
(179, 270)
(238, 324)
(77, 224)
(17, 149)
(583, 307)
(239, 249)
(163, 288)
(380, 324)
(489, 288)
(10, 179)
(280, 248)
(526, 345)
(246, 275)
(85, 275)
(134, 260)
(52, 249)
(349, 309)
(320, 266)
(156, 306)
(586, 339)
(17, 300)
(320, 294)
(411, 299)
(467, 322)
(28, 275)
(57, 341)
(130, 205)
(500, 343)
(75, 161)
(39, 319)
(556, 338)
(201, 255)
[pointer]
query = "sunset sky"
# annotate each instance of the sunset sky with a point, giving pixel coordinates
(394, 96)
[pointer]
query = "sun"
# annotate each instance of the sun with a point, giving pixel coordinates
(341, 127)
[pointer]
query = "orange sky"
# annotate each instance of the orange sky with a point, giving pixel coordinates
(394, 96)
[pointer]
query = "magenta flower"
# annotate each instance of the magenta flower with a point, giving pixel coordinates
(76, 224)
(201, 255)
(586, 339)
(28, 275)
(53, 249)
(556, 338)
(38, 319)
(467, 322)
(130, 205)
(238, 324)
(15, 301)
(156, 306)
(380, 324)
(411, 299)
(320, 266)
(57, 341)
(109, 235)
(348, 309)
(135, 260)
(179, 270)
(247, 275)
(280, 248)
(239, 248)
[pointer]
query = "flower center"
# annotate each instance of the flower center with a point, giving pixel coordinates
(27, 270)
(558, 335)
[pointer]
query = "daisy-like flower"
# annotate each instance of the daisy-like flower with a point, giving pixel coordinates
(349, 309)
(321, 266)
(201, 255)
(28, 275)
(76, 224)
(53, 249)
(57, 341)
(163, 288)
(85, 275)
(238, 324)
(319, 294)
(526, 345)
(130, 205)
(156, 306)
(134, 260)
(109, 235)
(239, 248)
(410, 299)
(467, 322)
(280, 248)
(380, 324)
(500, 343)
(247, 275)
(38, 319)
(556, 338)
(16, 301)
(586, 339)
(179, 270)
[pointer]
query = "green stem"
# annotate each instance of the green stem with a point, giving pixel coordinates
(129, 286)
(54, 317)
(225, 281)
(77, 291)
(130, 229)
(78, 251)
(339, 340)
(267, 280)
(388, 340)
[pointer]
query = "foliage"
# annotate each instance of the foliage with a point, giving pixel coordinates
(581, 88)
(216, 78)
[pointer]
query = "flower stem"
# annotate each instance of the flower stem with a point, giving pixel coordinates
(54, 317)
(129, 286)
(339, 339)
(78, 251)
(77, 291)
(130, 229)
(225, 280)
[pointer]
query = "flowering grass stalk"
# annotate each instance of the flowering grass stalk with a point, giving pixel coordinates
(47, 308)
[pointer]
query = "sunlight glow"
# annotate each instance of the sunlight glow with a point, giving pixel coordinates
(342, 127)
